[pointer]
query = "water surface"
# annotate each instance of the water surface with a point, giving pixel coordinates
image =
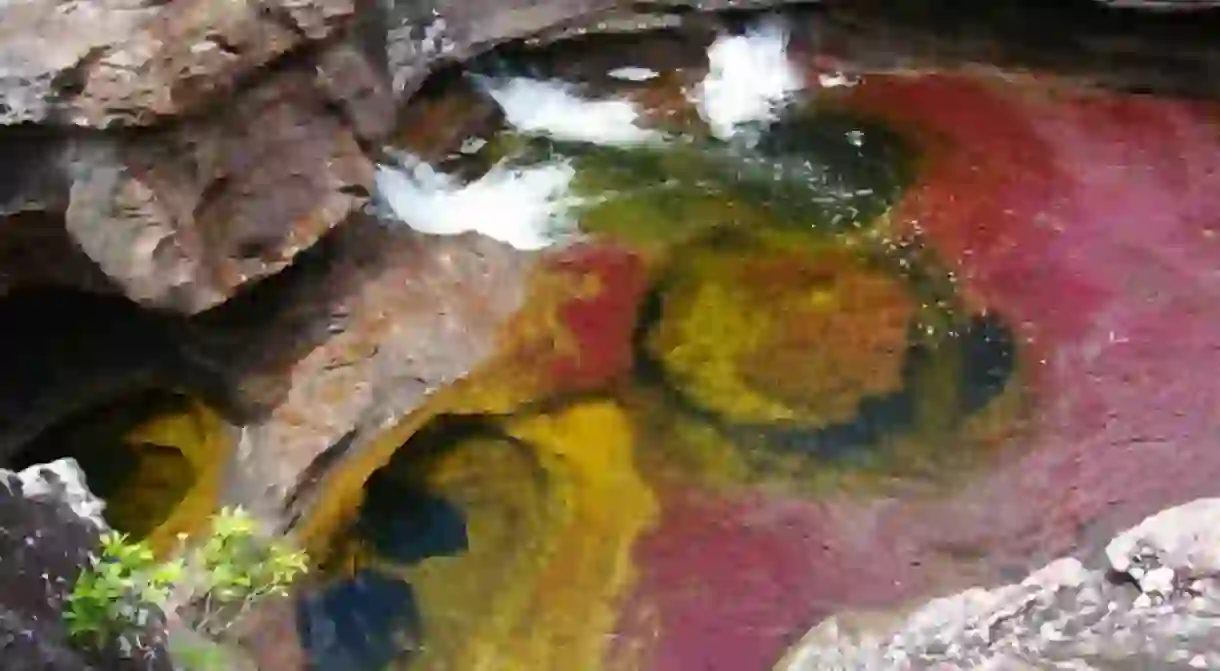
(854, 336)
(725, 323)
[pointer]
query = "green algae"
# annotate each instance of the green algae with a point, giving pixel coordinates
(821, 171)
(852, 352)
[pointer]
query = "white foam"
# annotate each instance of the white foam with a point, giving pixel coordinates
(835, 80)
(749, 77)
(523, 207)
(631, 73)
(553, 108)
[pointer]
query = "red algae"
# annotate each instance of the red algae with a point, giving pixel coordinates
(737, 581)
(1084, 218)
(601, 323)
(1089, 220)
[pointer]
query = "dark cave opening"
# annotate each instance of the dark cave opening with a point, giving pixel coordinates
(141, 481)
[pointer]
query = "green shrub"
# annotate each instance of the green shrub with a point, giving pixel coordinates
(206, 590)
(238, 569)
(120, 592)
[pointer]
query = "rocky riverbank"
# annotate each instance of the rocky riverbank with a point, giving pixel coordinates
(186, 206)
(1150, 603)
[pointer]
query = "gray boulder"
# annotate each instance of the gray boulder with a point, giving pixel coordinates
(1154, 605)
(49, 524)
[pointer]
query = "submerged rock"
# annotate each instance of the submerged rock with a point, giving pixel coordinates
(728, 337)
(358, 342)
(1154, 606)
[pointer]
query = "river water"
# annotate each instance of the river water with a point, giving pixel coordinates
(808, 337)
(804, 335)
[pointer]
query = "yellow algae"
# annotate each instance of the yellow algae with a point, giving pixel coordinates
(587, 450)
(700, 347)
(943, 437)
(938, 452)
(689, 450)
(151, 490)
(653, 213)
(515, 375)
(156, 458)
(686, 447)
(199, 434)
(779, 334)
(551, 604)
(551, 511)
(343, 487)
(512, 377)
(784, 329)
(493, 387)
(504, 498)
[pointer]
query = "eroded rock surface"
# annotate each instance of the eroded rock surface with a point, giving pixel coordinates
(412, 315)
(1154, 606)
(118, 62)
(183, 217)
(49, 523)
(248, 125)
(178, 153)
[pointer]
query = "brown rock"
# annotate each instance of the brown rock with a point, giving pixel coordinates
(269, 633)
(434, 127)
(129, 62)
(432, 33)
(43, 41)
(402, 316)
(354, 82)
(181, 57)
(183, 217)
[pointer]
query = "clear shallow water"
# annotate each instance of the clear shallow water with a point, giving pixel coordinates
(898, 334)
(525, 196)
(727, 312)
